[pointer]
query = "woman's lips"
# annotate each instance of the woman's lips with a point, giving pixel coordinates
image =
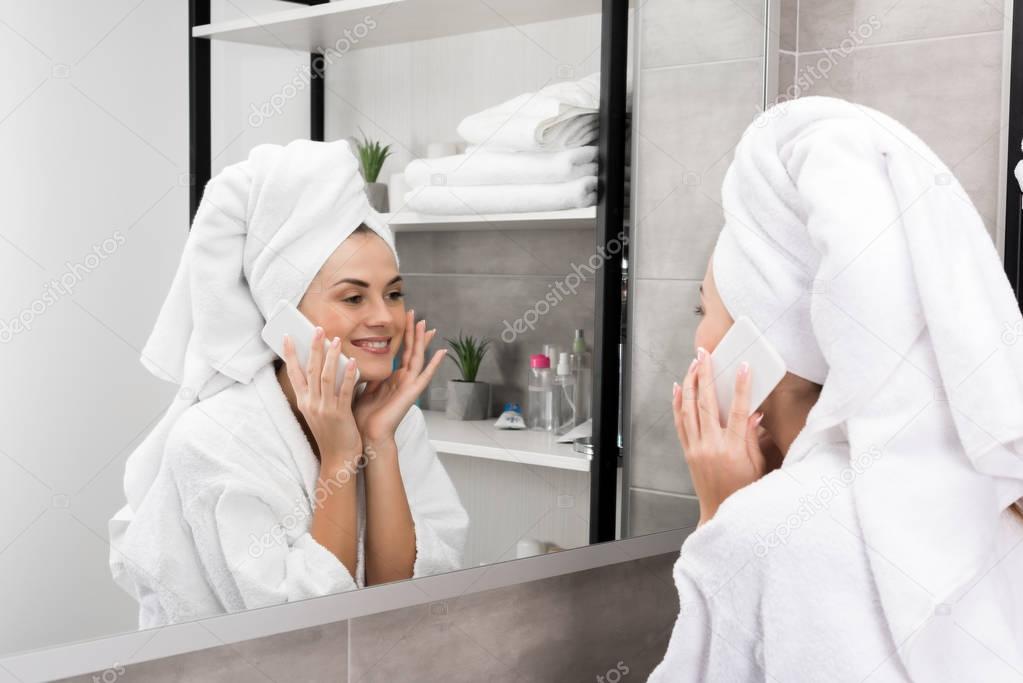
(379, 346)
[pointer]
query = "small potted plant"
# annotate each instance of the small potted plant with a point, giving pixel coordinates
(467, 398)
(372, 156)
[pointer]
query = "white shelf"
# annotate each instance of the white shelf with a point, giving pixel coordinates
(372, 23)
(570, 219)
(479, 439)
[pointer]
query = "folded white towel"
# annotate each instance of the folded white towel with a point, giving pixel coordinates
(854, 249)
(440, 200)
(559, 116)
(479, 167)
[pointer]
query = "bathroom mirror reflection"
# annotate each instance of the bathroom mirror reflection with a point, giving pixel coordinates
(454, 208)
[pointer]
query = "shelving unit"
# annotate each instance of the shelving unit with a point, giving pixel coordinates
(572, 219)
(386, 22)
(480, 439)
(318, 27)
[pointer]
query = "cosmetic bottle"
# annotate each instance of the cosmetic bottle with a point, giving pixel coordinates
(540, 397)
(579, 362)
(565, 396)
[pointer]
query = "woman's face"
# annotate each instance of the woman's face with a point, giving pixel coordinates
(715, 320)
(357, 296)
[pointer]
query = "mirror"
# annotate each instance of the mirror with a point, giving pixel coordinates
(91, 278)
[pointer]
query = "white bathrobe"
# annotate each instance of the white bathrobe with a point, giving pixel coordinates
(244, 475)
(778, 586)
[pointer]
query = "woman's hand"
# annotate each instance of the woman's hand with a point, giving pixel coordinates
(383, 403)
(721, 460)
(327, 412)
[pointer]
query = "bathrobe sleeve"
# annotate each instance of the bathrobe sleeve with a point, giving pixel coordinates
(249, 522)
(441, 523)
(687, 648)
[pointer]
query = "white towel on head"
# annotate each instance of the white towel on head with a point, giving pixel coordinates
(443, 200)
(860, 257)
(263, 229)
(558, 116)
(481, 167)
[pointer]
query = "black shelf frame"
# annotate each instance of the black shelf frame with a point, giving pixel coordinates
(611, 222)
(1013, 195)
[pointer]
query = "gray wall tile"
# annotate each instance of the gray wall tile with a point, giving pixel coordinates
(479, 305)
(948, 92)
(309, 655)
(689, 121)
(495, 252)
(663, 328)
(696, 31)
(826, 23)
(573, 627)
(650, 512)
(786, 78)
(787, 31)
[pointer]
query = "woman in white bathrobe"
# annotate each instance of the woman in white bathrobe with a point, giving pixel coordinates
(861, 524)
(264, 484)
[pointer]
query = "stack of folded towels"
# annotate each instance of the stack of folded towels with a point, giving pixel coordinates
(535, 152)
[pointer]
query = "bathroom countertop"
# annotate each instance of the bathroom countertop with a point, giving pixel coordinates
(480, 439)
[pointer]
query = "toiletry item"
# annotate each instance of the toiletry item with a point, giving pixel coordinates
(397, 186)
(528, 547)
(511, 417)
(565, 391)
(579, 361)
(540, 397)
(551, 351)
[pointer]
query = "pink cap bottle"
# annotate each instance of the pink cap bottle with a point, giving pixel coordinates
(538, 360)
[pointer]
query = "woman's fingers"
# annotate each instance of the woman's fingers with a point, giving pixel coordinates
(756, 455)
(344, 396)
(676, 409)
(424, 378)
(690, 419)
(706, 396)
(294, 369)
(315, 368)
(738, 414)
(328, 377)
(415, 365)
(406, 345)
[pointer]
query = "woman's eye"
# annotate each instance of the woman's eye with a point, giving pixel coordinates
(396, 296)
(698, 310)
(354, 299)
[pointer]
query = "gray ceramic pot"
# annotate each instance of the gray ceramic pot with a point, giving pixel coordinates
(468, 400)
(377, 193)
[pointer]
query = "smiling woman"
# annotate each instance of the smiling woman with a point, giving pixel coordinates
(267, 483)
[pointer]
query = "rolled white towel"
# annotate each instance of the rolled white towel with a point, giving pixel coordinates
(483, 199)
(503, 168)
(560, 116)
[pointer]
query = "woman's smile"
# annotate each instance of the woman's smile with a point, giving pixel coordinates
(378, 346)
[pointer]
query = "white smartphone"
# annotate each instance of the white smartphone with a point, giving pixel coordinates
(744, 342)
(285, 318)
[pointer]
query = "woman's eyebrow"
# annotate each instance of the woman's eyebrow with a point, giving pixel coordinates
(363, 283)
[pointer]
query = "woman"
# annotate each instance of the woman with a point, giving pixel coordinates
(861, 525)
(264, 483)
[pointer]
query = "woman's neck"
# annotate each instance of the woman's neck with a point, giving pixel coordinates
(785, 412)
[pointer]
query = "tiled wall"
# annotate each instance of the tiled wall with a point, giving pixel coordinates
(934, 65)
(575, 627)
(700, 84)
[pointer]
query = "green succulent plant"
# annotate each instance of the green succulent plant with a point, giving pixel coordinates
(469, 353)
(372, 156)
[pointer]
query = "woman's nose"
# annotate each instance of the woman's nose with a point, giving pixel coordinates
(378, 315)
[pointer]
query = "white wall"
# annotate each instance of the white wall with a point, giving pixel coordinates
(93, 133)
